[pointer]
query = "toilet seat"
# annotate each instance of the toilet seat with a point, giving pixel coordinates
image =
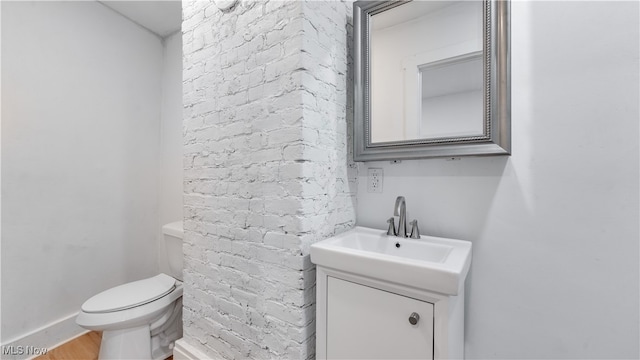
(130, 295)
(135, 316)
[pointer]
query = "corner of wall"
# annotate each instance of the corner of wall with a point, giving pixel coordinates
(267, 170)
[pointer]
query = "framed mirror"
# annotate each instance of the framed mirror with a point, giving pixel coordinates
(432, 79)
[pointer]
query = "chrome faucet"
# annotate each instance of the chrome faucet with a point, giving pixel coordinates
(401, 211)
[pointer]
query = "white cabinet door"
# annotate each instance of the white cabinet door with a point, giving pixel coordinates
(368, 323)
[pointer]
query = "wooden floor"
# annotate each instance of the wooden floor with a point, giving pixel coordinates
(85, 347)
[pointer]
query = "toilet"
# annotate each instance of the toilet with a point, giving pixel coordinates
(141, 319)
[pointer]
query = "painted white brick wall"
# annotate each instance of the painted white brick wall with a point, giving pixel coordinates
(267, 169)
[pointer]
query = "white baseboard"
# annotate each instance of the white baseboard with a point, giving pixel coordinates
(46, 337)
(184, 351)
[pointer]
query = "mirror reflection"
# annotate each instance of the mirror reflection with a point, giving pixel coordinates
(452, 98)
(427, 71)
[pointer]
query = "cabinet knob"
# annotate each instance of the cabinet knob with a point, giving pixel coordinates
(414, 318)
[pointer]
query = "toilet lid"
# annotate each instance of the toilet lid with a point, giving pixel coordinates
(130, 295)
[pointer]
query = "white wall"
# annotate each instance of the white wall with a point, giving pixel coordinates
(266, 171)
(555, 272)
(80, 143)
(170, 197)
(171, 131)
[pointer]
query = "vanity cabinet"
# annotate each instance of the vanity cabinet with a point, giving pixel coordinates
(369, 323)
(364, 318)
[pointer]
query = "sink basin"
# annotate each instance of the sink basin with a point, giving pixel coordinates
(429, 263)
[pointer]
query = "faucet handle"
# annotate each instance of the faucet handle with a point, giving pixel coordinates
(415, 231)
(391, 231)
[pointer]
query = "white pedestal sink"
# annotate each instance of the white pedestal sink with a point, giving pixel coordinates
(371, 286)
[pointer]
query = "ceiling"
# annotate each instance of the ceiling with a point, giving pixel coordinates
(160, 17)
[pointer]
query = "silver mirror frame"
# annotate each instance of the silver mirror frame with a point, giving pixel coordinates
(496, 139)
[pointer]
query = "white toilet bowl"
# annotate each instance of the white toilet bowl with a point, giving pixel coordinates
(141, 319)
(138, 320)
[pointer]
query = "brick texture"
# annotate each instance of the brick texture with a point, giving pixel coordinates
(267, 168)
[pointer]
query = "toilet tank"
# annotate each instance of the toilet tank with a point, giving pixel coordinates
(173, 234)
